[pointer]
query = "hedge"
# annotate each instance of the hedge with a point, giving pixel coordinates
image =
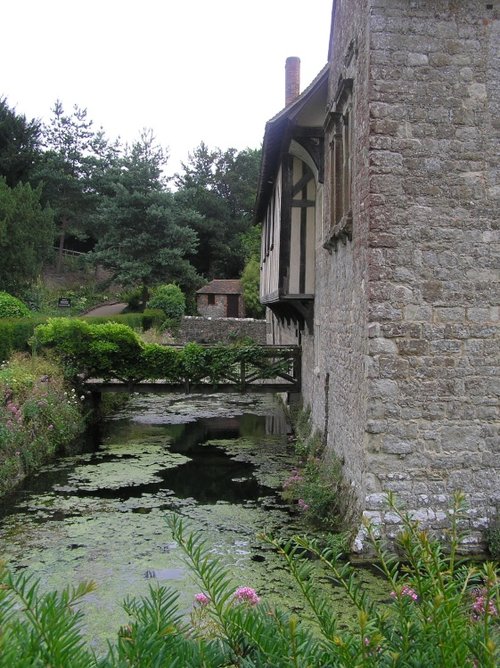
(16, 333)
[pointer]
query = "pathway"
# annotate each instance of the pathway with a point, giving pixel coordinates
(107, 309)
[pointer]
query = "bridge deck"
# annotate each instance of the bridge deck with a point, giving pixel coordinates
(191, 388)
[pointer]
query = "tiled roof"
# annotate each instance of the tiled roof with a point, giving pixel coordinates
(222, 286)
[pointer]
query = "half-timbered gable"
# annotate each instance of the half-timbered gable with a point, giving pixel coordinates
(289, 203)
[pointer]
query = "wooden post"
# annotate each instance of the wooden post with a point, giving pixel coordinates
(297, 369)
(242, 376)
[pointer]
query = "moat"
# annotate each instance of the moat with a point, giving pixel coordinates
(217, 461)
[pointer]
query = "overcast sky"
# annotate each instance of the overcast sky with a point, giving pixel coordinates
(191, 70)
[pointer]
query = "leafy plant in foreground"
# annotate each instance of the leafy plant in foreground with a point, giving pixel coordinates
(440, 612)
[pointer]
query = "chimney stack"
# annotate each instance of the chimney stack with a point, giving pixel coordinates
(292, 79)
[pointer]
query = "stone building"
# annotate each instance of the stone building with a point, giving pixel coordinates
(221, 298)
(379, 202)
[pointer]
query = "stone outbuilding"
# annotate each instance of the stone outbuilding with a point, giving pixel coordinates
(378, 198)
(221, 298)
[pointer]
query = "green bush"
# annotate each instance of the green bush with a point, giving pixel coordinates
(15, 334)
(11, 307)
(162, 362)
(170, 299)
(102, 350)
(133, 297)
(439, 612)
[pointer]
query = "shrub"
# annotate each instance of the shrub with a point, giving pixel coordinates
(16, 333)
(162, 362)
(11, 307)
(133, 297)
(170, 299)
(107, 350)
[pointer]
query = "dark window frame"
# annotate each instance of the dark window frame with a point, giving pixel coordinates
(339, 131)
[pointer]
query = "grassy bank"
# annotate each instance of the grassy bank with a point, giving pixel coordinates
(39, 416)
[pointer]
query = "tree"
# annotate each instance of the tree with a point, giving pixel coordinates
(19, 145)
(73, 171)
(250, 278)
(26, 235)
(145, 231)
(221, 186)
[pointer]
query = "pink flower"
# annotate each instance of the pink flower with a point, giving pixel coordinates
(406, 591)
(246, 595)
(202, 599)
(294, 479)
(483, 606)
(50, 427)
(303, 505)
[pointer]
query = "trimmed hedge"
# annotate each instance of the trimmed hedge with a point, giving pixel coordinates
(16, 333)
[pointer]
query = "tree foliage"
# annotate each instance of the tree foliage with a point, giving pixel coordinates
(250, 278)
(221, 186)
(114, 198)
(19, 145)
(73, 170)
(26, 233)
(145, 232)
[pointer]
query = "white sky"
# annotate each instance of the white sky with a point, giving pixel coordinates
(191, 70)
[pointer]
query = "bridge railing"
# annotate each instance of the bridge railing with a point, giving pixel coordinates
(274, 369)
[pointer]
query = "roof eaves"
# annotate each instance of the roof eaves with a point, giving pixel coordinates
(273, 136)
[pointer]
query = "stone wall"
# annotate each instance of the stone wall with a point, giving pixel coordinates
(219, 308)
(433, 259)
(220, 330)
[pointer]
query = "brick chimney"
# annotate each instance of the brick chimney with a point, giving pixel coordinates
(292, 79)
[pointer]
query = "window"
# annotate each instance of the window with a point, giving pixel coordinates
(211, 300)
(339, 133)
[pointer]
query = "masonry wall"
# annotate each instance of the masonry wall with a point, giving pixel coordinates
(219, 308)
(220, 330)
(433, 359)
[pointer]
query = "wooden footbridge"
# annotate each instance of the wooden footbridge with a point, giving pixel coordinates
(278, 370)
